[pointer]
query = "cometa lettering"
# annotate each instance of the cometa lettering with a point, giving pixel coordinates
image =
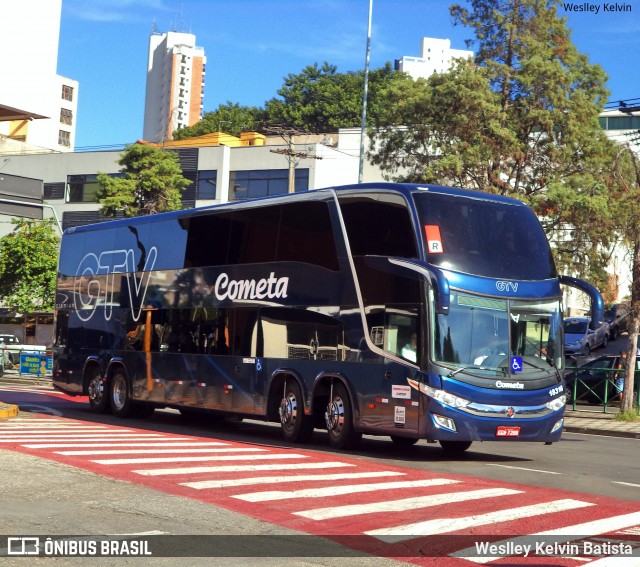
(265, 288)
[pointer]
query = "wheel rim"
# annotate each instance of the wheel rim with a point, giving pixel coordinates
(288, 409)
(96, 389)
(119, 396)
(334, 416)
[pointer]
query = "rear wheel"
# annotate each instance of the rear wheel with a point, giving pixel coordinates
(98, 390)
(455, 447)
(296, 426)
(121, 405)
(339, 419)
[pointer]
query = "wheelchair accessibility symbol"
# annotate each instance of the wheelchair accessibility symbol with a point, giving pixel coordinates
(516, 364)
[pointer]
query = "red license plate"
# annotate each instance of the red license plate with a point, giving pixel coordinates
(507, 431)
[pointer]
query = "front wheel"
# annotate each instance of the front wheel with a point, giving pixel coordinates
(296, 426)
(605, 340)
(455, 447)
(339, 419)
(98, 390)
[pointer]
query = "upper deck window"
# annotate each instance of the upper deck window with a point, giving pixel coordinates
(483, 237)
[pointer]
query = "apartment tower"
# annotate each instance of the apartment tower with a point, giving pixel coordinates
(38, 107)
(175, 84)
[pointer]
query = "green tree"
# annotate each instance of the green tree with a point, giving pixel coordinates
(319, 99)
(626, 212)
(230, 118)
(28, 264)
(521, 120)
(152, 182)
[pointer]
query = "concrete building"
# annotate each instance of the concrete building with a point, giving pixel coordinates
(175, 84)
(436, 56)
(222, 168)
(38, 107)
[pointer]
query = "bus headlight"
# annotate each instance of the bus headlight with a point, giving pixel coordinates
(439, 395)
(557, 403)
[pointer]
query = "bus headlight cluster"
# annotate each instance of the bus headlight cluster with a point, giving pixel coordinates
(440, 395)
(557, 403)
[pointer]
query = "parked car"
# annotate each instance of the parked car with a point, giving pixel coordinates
(617, 317)
(14, 347)
(590, 380)
(580, 339)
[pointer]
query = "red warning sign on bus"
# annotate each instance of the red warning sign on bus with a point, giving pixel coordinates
(434, 241)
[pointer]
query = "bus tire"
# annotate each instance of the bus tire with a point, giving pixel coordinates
(403, 441)
(455, 447)
(296, 426)
(339, 419)
(121, 404)
(98, 390)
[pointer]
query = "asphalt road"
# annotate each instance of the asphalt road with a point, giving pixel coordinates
(54, 484)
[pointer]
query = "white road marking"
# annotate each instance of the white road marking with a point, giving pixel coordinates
(445, 525)
(151, 460)
(242, 468)
(404, 504)
(224, 483)
(522, 469)
(163, 450)
(593, 528)
(167, 443)
(340, 490)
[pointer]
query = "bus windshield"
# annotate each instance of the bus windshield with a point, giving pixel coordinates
(486, 238)
(483, 336)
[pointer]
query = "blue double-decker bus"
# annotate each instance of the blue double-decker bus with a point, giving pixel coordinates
(411, 311)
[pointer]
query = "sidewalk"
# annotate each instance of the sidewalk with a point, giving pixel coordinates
(593, 422)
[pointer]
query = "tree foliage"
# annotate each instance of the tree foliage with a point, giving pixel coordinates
(28, 264)
(319, 99)
(230, 118)
(151, 182)
(625, 205)
(521, 120)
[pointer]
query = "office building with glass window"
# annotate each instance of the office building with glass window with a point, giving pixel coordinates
(242, 168)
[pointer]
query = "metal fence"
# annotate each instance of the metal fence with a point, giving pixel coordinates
(597, 389)
(27, 362)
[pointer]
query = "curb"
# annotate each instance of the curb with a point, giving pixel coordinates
(8, 410)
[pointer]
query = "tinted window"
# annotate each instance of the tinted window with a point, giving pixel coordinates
(483, 237)
(294, 232)
(306, 235)
(379, 225)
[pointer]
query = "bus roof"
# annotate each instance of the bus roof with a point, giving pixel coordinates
(403, 188)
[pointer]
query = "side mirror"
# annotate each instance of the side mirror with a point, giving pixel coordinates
(597, 302)
(436, 278)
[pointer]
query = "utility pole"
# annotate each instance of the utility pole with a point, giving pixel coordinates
(287, 134)
(364, 96)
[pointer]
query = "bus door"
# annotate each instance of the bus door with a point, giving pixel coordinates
(395, 406)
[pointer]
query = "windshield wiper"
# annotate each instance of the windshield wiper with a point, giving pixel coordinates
(472, 367)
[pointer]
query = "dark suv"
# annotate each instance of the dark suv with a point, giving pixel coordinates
(617, 317)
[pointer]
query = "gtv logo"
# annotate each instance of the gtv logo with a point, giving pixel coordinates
(91, 290)
(507, 286)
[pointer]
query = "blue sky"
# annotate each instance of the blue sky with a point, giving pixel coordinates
(251, 45)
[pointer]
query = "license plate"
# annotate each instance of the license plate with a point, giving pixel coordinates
(507, 431)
